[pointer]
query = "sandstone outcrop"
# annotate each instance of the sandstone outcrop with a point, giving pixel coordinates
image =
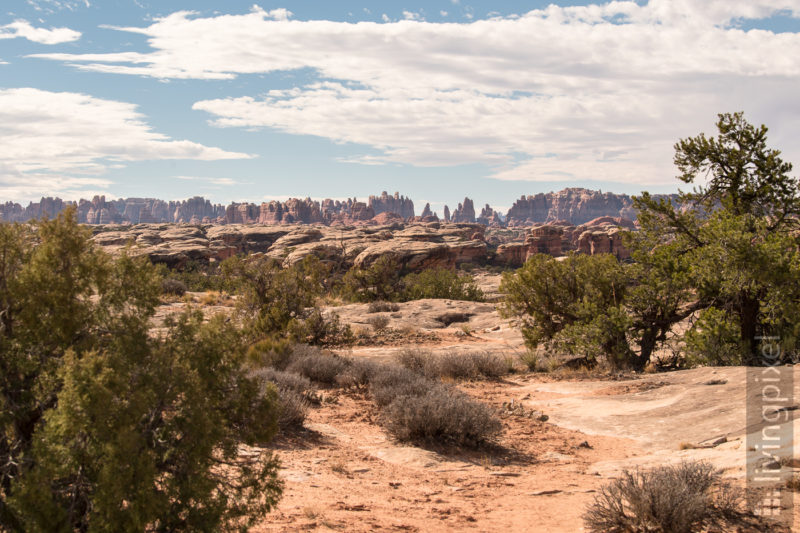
(577, 205)
(392, 204)
(464, 212)
(601, 235)
(415, 246)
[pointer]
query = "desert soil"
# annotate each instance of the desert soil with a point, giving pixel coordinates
(343, 472)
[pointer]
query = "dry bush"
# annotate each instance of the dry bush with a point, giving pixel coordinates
(453, 365)
(359, 372)
(292, 402)
(283, 380)
(382, 307)
(293, 409)
(378, 323)
(530, 359)
(210, 298)
(441, 415)
(670, 499)
(389, 382)
(317, 365)
(414, 359)
(489, 365)
(173, 286)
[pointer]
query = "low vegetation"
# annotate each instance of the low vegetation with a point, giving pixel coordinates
(416, 406)
(670, 499)
(382, 282)
(105, 427)
(726, 254)
(473, 365)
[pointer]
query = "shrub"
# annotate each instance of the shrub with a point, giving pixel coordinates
(358, 372)
(380, 306)
(489, 365)
(318, 366)
(283, 380)
(197, 276)
(714, 339)
(320, 330)
(173, 286)
(453, 365)
(441, 283)
(379, 281)
(293, 409)
(271, 297)
(271, 352)
(530, 359)
(378, 323)
(670, 499)
(389, 382)
(292, 403)
(441, 415)
(414, 359)
(574, 305)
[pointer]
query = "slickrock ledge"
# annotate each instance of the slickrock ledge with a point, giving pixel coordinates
(414, 246)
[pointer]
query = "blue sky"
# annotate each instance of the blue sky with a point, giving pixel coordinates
(438, 100)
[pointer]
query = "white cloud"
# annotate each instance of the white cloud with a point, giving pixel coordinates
(219, 182)
(385, 17)
(22, 28)
(573, 93)
(443, 13)
(53, 6)
(63, 143)
(412, 15)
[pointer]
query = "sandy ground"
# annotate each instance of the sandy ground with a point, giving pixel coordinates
(344, 473)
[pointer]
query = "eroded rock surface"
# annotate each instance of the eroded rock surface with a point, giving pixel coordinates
(414, 246)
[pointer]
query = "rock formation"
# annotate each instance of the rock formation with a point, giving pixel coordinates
(602, 235)
(489, 217)
(576, 205)
(413, 246)
(464, 212)
(392, 204)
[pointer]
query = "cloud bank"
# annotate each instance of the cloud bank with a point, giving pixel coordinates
(23, 28)
(62, 143)
(597, 92)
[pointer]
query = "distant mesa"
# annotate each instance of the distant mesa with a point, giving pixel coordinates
(574, 206)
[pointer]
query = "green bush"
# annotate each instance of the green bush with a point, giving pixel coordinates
(320, 330)
(441, 283)
(281, 302)
(378, 282)
(714, 339)
(197, 276)
(575, 305)
(104, 427)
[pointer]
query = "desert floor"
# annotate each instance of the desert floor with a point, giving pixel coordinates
(343, 472)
